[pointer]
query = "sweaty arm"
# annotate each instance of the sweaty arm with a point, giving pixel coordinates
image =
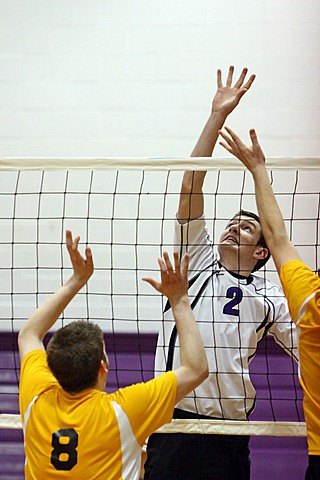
(227, 97)
(193, 361)
(32, 333)
(272, 223)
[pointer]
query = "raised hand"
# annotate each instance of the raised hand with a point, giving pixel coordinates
(44, 317)
(252, 157)
(82, 267)
(174, 282)
(227, 96)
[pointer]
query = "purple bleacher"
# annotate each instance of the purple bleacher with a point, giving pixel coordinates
(276, 392)
(132, 360)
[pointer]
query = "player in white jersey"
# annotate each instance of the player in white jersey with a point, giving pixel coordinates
(72, 428)
(234, 310)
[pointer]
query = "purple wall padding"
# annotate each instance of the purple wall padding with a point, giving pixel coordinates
(132, 359)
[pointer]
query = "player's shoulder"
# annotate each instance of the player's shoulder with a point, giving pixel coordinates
(266, 284)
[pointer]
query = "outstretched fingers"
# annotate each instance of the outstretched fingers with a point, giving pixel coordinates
(233, 135)
(156, 285)
(243, 87)
(174, 279)
(81, 266)
(219, 78)
(185, 264)
(236, 141)
(241, 79)
(229, 142)
(178, 271)
(72, 244)
(89, 259)
(254, 138)
(230, 76)
(163, 272)
(177, 265)
(251, 156)
(169, 275)
(232, 139)
(167, 262)
(249, 82)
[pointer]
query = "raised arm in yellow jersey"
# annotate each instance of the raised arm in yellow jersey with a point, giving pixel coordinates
(300, 284)
(72, 428)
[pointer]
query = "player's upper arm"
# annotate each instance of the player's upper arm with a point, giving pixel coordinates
(27, 343)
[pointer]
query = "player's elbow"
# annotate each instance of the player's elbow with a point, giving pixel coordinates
(21, 336)
(191, 376)
(197, 376)
(26, 337)
(201, 372)
(205, 372)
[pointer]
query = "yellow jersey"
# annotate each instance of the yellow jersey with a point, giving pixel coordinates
(302, 289)
(91, 435)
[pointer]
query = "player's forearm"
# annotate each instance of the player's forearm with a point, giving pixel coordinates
(191, 203)
(272, 222)
(209, 135)
(192, 352)
(47, 314)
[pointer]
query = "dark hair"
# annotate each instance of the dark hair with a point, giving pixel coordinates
(261, 240)
(74, 355)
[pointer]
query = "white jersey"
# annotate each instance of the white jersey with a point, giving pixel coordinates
(233, 314)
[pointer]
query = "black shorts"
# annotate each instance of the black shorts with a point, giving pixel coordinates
(186, 456)
(313, 470)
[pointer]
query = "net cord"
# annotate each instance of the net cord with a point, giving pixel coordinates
(159, 163)
(222, 427)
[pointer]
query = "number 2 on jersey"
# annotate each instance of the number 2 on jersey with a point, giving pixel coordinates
(231, 308)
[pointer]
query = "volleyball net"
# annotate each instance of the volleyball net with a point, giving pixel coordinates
(125, 210)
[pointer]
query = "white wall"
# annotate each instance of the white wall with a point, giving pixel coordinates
(136, 77)
(102, 78)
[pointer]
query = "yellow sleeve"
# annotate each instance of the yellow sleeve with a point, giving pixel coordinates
(148, 405)
(299, 284)
(35, 378)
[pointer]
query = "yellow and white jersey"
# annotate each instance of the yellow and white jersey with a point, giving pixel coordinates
(91, 435)
(302, 289)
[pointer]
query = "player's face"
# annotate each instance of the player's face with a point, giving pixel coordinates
(242, 234)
